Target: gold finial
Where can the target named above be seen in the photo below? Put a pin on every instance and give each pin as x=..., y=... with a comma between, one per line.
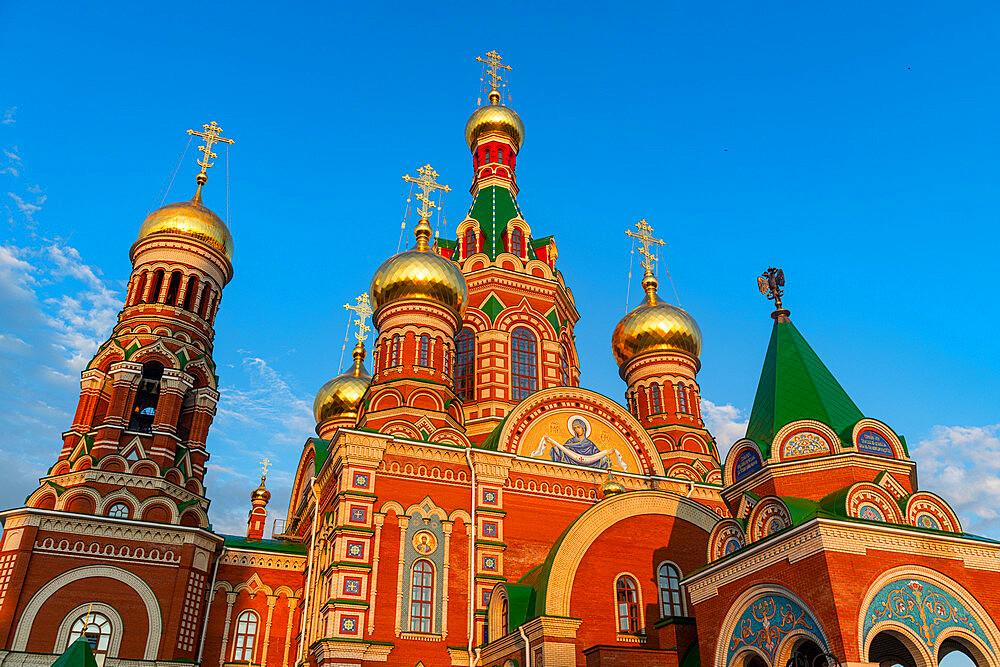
x=210, y=135
x=645, y=237
x=494, y=70
x=770, y=283
x=264, y=465
x=427, y=184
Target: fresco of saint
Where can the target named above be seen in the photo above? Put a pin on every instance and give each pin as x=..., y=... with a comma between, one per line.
x=579, y=448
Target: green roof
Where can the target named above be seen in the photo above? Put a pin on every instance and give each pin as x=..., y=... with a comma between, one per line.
x=77, y=655
x=795, y=384
x=322, y=449
x=282, y=546
x=493, y=208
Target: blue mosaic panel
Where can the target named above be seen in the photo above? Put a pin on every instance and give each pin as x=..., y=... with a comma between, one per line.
x=490, y=497
x=349, y=624
x=928, y=521
x=871, y=442
x=359, y=514
x=732, y=545
x=766, y=622
x=489, y=529
x=926, y=608
x=871, y=513
x=747, y=463
x=489, y=563
x=352, y=586
x=360, y=479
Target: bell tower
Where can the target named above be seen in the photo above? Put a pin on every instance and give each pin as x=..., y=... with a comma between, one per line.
x=149, y=395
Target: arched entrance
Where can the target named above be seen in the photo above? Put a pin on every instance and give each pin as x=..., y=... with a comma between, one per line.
x=890, y=648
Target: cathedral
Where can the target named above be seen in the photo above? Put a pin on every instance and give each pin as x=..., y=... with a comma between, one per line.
x=414, y=534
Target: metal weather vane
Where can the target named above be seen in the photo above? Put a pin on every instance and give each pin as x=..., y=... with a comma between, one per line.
x=428, y=184
x=645, y=237
x=210, y=135
x=770, y=283
x=363, y=309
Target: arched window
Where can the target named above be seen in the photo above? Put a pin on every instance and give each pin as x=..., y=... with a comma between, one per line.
x=140, y=285
x=470, y=241
x=671, y=600
x=245, y=637
x=486, y=156
x=96, y=627
x=155, y=287
x=394, y=351
x=192, y=289
x=203, y=305
x=174, y=288
x=500, y=155
x=465, y=362
x=517, y=242
x=655, y=399
x=628, y=604
x=119, y=511
x=146, y=397
x=682, y=401
x=524, y=363
x=421, y=596
x=425, y=350
x=564, y=368
x=504, y=618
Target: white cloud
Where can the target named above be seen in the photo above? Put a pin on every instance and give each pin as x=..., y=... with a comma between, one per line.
x=962, y=465
x=28, y=209
x=8, y=116
x=726, y=422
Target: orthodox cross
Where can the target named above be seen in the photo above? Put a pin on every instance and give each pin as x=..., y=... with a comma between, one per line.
x=770, y=283
x=264, y=465
x=210, y=135
x=494, y=68
x=363, y=309
x=645, y=237
x=427, y=184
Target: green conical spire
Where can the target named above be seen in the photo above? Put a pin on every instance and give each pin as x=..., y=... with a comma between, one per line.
x=795, y=384
x=77, y=655
x=493, y=207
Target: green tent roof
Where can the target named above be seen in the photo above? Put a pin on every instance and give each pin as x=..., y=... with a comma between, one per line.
x=795, y=384
x=493, y=208
x=77, y=655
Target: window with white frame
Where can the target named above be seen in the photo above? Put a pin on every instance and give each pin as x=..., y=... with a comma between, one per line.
x=245, y=637
x=671, y=597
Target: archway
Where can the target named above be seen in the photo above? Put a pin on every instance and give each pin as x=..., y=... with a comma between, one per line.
x=894, y=649
x=959, y=651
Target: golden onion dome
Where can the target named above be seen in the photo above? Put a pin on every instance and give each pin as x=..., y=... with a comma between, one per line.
x=420, y=273
x=611, y=488
x=655, y=326
x=260, y=493
x=341, y=396
x=494, y=117
x=192, y=219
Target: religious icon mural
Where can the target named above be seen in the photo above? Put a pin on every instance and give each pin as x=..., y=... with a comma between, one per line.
x=425, y=543
x=587, y=440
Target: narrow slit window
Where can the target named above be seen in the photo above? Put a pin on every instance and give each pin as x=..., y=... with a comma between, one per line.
x=655, y=399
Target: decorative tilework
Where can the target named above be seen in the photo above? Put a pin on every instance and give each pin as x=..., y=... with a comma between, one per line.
x=490, y=528
x=489, y=563
x=361, y=480
x=349, y=625
x=355, y=549
x=352, y=586
x=359, y=514
x=766, y=622
x=922, y=606
x=805, y=443
x=747, y=462
x=489, y=497
x=732, y=545
x=926, y=520
x=870, y=512
x=487, y=594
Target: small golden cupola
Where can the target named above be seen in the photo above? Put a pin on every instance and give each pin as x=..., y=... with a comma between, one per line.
x=421, y=273
x=654, y=325
x=193, y=219
x=338, y=400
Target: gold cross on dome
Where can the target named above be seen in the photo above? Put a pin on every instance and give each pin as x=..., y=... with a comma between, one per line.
x=645, y=236
x=264, y=465
x=363, y=308
x=428, y=184
x=210, y=135
x=494, y=68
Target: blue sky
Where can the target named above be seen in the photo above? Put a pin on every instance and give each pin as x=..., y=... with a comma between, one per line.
x=853, y=144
